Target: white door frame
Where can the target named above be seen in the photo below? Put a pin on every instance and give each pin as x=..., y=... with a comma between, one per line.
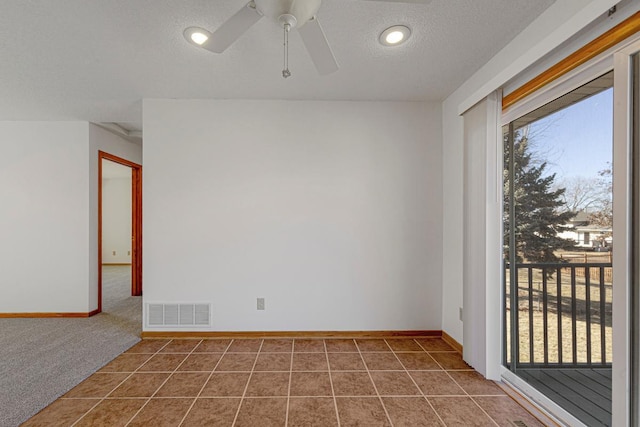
x=622, y=229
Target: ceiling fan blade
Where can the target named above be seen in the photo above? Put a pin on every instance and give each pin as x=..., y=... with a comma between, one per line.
x=318, y=47
x=233, y=28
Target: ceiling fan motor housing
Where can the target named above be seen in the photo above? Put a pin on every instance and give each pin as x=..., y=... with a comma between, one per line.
x=282, y=11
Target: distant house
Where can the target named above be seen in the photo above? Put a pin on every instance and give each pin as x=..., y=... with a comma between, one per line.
x=586, y=235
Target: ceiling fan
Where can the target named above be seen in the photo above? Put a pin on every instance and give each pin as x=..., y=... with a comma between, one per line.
x=288, y=14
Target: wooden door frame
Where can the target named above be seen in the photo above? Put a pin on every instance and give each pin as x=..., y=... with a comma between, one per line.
x=136, y=223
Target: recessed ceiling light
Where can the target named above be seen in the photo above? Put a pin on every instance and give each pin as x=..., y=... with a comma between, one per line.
x=395, y=35
x=196, y=35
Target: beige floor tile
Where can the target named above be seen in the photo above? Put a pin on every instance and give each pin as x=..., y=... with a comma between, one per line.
x=200, y=362
x=140, y=385
x=341, y=345
x=450, y=360
x=61, y=413
x=346, y=362
x=506, y=412
x=163, y=362
x=263, y=412
x=162, y=413
x=273, y=362
x=180, y=346
x=411, y=412
x=417, y=361
x=212, y=412
x=245, y=346
x=434, y=344
x=98, y=385
x=352, y=384
x=237, y=362
x=436, y=383
x=112, y=413
x=312, y=412
x=361, y=411
x=382, y=361
x=308, y=345
x=310, y=362
x=217, y=381
x=277, y=346
x=212, y=346
x=367, y=345
x=404, y=345
x=460, y=411
x=475, y=384
x=394, y=384
x=222, y=384
x=310, y=384
x=126, y=362
x=183, y=384
x=268, y=384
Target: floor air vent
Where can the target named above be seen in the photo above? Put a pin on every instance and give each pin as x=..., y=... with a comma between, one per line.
x=178, y=315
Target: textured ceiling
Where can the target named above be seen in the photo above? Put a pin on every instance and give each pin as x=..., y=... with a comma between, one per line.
x=95, y=60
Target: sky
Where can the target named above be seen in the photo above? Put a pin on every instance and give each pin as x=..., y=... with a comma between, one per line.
x=578, y=140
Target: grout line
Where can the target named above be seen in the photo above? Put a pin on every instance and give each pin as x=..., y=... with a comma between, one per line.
x=286, y=419
x=482, y=409
x=358, y=396
x=470, y=397
x=465, y=391
x=419, y=389
x=384, y=408
x=246, y=387
x=164, y=382
x=333, y=393
x=280, y=371
x=121, y=382
x=205, y=383
x=128, y=375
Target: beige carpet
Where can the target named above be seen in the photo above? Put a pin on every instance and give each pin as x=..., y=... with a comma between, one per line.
x=41, y=359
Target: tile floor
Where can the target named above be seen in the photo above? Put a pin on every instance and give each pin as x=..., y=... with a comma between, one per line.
x=286, y=382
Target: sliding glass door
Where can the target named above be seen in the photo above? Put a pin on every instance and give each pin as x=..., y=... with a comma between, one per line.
x=558, y=249
x=635, y=259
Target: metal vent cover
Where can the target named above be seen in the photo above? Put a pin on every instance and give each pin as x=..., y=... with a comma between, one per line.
x=176, y=315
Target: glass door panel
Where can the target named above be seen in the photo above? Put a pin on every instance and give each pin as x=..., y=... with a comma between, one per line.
x=558, y=245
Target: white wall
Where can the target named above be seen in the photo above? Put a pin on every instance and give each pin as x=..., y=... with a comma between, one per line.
x=329, y=210
x=44, y=219
x=551, y=29
x=116, y=220
x=48, y=220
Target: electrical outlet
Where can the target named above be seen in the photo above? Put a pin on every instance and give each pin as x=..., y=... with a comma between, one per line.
x=460, y=313
x=113, y=253
x=260, y=303
x=128, y=252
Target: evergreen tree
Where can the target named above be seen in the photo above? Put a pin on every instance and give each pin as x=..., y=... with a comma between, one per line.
x=540, y=213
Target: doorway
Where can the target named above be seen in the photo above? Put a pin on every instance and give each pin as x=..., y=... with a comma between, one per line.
x=558, y=249
x=127, y=252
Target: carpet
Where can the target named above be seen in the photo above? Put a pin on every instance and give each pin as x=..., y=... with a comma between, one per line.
x=42, y=359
